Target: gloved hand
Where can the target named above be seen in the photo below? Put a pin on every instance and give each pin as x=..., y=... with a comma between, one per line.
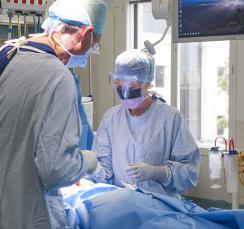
x=89, y=160
x=143, y=171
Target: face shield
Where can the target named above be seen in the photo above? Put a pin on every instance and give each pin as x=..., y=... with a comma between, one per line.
x=129, y=89
x=133, y=70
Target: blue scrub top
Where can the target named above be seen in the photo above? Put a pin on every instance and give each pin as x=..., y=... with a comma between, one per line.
x=87, y=136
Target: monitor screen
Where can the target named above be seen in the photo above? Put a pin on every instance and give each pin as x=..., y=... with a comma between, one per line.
x=205, y=20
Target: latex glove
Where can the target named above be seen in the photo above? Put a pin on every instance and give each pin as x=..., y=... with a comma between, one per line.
x=89, y=160
x=143, y=171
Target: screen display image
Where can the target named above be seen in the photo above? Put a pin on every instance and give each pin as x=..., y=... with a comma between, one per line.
x=203, y=18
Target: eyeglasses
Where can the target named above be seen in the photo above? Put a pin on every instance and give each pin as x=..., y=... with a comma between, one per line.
x=96, y=48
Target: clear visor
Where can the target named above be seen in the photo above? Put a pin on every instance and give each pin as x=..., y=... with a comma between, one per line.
x=128, y=89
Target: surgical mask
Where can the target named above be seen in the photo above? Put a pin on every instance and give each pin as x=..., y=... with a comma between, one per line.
x=79, y=60
x=133, y=103
x=75, y=60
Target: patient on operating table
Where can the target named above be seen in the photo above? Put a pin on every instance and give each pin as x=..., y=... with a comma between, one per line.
x=103, y=206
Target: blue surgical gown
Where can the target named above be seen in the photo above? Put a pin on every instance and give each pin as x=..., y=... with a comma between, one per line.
x=160, y=136
x=39, y=135
x=86, y=138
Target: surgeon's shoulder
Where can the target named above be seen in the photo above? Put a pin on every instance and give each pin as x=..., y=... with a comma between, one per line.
x=57, y=72
x=167, y=110
x=56, y=67
x=113, y=113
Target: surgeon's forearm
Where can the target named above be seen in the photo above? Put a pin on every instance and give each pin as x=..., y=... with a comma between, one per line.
x=59, y=171
x=99, y=174
x=161, y=173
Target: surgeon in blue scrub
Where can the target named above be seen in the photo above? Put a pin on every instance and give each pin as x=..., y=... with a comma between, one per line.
x=96, y=10
x=43, y=129
x=144, y=141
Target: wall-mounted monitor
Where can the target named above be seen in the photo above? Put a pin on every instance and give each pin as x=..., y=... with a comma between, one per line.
x=207, y=20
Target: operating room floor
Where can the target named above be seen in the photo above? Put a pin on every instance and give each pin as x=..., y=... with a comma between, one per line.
x=207, y=203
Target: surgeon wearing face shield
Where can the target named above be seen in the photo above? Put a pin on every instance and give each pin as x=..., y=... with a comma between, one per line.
x=43, y=132
x=143, y=141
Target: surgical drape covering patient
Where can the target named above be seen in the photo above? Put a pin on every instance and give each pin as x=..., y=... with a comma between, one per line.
x=103, y=206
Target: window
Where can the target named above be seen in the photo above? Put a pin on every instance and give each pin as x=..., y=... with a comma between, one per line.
x=204, y=89
x=148, y=28
x=159, y=76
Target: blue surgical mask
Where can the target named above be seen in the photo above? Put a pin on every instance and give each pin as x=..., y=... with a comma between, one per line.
x=75, y=60
x=79, y=60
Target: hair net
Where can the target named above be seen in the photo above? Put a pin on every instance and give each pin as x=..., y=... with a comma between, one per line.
x=134, y=65
x=70, y=12
x=96, y=10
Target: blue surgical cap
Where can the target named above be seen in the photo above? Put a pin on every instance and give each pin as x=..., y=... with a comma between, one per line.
x=96, y=10
x=71, y=12
x=134, y=65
